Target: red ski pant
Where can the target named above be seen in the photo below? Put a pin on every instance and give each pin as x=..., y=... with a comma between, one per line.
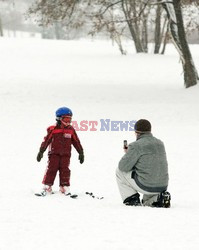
x=61, y=164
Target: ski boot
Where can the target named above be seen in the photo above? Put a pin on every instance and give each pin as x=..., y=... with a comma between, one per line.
x=65, y=190
x=45, y=191
x=163, y=200
x=133, y=200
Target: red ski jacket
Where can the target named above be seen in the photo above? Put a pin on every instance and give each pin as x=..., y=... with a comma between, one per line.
x=59, y=140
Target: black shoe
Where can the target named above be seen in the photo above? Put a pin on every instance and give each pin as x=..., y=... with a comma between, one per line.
x=133, y=200
x=163, y=200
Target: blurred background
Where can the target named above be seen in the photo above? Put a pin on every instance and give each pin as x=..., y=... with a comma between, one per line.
x=25, y=18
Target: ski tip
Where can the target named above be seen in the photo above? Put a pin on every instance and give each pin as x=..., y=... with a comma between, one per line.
x=73, y=196
x=93, y=196
x=37, y=194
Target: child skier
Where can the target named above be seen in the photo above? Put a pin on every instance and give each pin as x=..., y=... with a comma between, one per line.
x=59, y=139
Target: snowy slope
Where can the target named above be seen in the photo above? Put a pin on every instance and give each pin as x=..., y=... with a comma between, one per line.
x=96, y=82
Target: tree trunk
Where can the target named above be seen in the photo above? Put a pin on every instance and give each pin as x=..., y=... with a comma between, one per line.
x=135, y=37
x=133, y=32
x=166, y=38
x=174, y=13
x=57, y=31
x=145, y=34
x=190, y=72
x=119, y=43
x=1, y=28
x=157, y=38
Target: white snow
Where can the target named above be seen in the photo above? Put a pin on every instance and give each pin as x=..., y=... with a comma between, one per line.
x=96, y=82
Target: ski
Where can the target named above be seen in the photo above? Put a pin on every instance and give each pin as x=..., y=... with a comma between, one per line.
x=43, y=194
x=38, y=194
x=73, y=196
x=94, y=196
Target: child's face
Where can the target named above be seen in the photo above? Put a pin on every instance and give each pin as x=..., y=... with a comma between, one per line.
x=66, y=120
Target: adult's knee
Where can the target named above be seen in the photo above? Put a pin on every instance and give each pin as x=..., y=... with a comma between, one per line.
x=118, y=172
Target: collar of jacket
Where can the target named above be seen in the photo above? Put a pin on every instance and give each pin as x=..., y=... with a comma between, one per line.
x=62, y=126
x=147, y=134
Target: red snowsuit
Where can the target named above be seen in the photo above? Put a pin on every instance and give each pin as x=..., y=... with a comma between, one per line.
x=59, y=139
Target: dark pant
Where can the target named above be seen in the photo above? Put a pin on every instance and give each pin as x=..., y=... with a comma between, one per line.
x=61, y=164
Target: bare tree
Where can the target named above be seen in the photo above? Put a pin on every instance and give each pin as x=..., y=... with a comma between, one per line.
x=1, y=28
x=130, y=12
x=166, y=36
x=106, y=24
x=174, y=12
x=157, y=38
x=60, y=15
x=54, y=10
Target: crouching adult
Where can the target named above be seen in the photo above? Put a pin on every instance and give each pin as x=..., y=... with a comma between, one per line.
x=144, y=169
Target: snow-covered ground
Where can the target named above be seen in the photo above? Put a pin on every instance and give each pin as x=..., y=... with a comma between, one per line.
x=96, y=82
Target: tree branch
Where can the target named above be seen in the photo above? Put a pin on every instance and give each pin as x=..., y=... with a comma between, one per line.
x=125, y=20
x=110, y=5
x=161, y=2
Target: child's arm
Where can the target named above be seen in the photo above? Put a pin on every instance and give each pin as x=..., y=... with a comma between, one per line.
x=77, y=144
x=47, y=140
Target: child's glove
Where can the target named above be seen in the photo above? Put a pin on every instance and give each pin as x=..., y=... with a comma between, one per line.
x=81, y=158
x=39, y=156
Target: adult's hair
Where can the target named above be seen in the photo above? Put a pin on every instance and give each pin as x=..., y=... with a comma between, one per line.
x=142, y=126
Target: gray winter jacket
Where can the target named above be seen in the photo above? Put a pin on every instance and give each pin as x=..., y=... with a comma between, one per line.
x=147, y=160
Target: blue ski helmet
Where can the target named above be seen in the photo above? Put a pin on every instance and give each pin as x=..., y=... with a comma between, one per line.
x=63, y=111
